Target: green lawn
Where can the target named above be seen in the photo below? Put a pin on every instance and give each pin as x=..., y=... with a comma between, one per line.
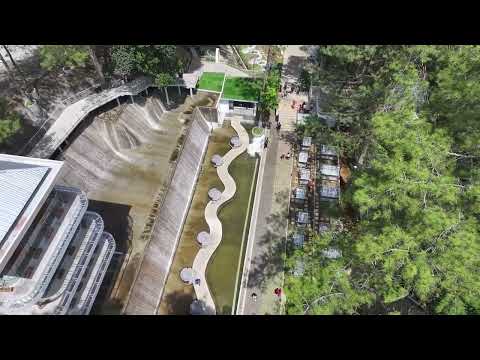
x=222, y=269
x=211, y=81
x=238, y=88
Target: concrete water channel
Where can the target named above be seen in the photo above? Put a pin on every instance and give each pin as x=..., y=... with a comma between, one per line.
x=223, y=268
x=122, y=157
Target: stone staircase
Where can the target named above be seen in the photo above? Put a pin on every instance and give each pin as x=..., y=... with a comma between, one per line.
x=288, y=116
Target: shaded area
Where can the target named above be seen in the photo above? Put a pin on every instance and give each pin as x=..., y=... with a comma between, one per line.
x=117, y=221
x=271, y=261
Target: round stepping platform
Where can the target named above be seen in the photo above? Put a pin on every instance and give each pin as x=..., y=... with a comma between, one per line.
x=187, y=275
x=203, y=238
x=214, y=194
x=235, y=141
x=217, y=160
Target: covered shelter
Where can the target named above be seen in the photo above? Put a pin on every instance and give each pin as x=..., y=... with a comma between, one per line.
x=329, y=189
x=303, y=157
x=307, y=142
x=303, y=218
x=304, y=176
x=330, y=170
x=332, y=253
x=328, y=151
x=300, y=194
x=298, y=239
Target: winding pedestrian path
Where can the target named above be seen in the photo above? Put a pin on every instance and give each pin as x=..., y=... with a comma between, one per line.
x=211, y=210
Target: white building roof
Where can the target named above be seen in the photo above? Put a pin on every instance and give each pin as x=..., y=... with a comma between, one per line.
x=298, y=239
x=307, y=141
x=328, y=150
x=24, y=185
x=303, y=157
x=300, y=193
x=302, y=217
x=304, y=174
x=18, y=183
x=332, y=253
x=330, y=170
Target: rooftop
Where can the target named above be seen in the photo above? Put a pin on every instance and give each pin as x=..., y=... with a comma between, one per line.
x=242, y=89
x=211, y=81
x=328, y=150
x=330, y=170
x=30, y=181
x=304, y=174
x=307, y=141
x=303, y=157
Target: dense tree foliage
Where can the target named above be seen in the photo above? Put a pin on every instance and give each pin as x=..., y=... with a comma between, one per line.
x=158, y=61
x=414, y=219
x=269, y=94
x=57, y=56
x=9, y=121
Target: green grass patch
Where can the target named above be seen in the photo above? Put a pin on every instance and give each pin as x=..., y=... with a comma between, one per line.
x=211, y=81
x=177, y=296
x=239, y=88
x=222, y=269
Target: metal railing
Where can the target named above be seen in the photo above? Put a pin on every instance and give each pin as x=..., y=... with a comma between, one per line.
x=79, y=265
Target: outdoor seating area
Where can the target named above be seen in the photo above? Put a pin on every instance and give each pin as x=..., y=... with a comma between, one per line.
x=315, y=193
x=303, y=194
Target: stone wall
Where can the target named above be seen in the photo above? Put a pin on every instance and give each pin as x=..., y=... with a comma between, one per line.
x=148, y=287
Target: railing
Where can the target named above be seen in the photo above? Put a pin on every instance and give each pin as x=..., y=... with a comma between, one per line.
x=80, y=95
x=54, y=261
x=79, y=265
x=92, y=292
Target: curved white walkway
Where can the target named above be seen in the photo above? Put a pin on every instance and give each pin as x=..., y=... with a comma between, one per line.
x=204, y=254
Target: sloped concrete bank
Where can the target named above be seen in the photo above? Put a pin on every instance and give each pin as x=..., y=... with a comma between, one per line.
x=146, y=292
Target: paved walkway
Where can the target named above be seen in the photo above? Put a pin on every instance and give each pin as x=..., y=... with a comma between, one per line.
x=264, y=261
x=204, y=254
x=75, y=113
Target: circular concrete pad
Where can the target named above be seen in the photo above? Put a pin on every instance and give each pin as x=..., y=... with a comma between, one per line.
x=203, y=238
x=214, y=194
x=217, y=160
x=187, y=275
x=235, y=141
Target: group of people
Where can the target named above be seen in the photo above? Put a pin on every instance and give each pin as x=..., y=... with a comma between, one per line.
x=289, y=89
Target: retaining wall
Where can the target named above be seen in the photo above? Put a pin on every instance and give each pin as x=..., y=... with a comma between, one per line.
x=148, y=286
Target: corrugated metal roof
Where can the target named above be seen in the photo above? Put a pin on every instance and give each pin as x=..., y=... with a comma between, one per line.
x=18, y=183
x=303, y=157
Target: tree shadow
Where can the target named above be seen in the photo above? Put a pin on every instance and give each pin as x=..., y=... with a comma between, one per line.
x=178, y=302
x=272, y=260
x=292, y=69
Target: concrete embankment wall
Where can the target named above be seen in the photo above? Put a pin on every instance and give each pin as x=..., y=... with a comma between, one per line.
x=148, y=287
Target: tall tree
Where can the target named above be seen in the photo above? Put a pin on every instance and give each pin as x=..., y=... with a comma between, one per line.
x=96, y=64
